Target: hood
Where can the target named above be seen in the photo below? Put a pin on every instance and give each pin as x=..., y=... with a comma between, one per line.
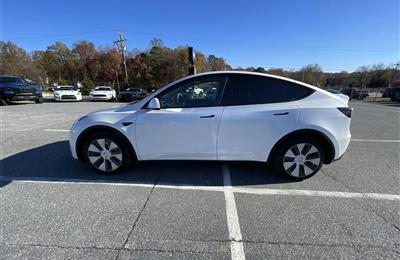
x=113, y=115
x=104, y=92
x=66, y=92
x=18, y=85
x=129, y=93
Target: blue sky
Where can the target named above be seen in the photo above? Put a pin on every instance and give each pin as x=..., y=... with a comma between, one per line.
x=336, y=34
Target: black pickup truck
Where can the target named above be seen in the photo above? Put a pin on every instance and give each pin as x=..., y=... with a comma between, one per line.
x=18, y=89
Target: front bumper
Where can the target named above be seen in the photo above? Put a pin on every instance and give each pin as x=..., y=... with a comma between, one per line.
x=21, y=97
x=129, y=98
x=68, y=98
x=100, y=97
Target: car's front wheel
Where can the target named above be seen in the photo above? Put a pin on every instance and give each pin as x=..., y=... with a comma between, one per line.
x=3, y=102
x=299, y=158
x=106, y=152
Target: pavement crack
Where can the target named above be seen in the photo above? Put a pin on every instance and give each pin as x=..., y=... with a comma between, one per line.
x=163, y=250
x=137, y=218
x=61, y=247
x=350, y=245
x=371, y=210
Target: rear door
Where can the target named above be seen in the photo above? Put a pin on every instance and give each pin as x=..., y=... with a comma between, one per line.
x=258, y=112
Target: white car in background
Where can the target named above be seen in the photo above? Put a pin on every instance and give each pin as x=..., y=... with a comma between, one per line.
x=339, y=94
x=240, y=116
x=103, y=93
x=67, y=93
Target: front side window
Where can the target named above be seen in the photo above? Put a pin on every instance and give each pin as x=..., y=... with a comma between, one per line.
x=253, y=89
x=194, y=93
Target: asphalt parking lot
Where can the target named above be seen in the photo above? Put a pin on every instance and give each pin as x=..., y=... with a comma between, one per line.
x=53, y=207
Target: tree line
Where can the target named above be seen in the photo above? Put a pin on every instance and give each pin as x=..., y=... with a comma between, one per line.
x=156, y=66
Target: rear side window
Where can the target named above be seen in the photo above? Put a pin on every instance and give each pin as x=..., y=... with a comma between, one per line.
x=252, y=89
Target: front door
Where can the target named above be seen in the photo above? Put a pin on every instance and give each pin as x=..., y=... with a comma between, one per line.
x=186, y=126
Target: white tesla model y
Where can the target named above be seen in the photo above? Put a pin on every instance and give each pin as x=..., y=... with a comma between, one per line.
x=227, y=116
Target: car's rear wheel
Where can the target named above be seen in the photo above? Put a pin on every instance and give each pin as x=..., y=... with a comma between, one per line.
x=106, y=152
x=299, y=158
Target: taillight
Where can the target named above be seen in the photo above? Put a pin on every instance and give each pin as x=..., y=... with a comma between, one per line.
x=346, y=111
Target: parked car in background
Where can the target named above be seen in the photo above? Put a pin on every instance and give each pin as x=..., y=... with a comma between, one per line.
x=360, y=94
x=339, y=94
x=390, y=92
x=18, y=89
x=131, y=94
x=396, y=97
x=227, y=116
x=103, y=93
x=67, y=93
x=354, y=93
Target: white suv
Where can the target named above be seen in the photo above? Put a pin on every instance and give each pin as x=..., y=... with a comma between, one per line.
x=227, y=116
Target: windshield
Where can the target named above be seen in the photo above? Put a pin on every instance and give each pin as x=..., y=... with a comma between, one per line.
x=65, y=88
x=11, y=80
x=103, y=88
x=133, y=90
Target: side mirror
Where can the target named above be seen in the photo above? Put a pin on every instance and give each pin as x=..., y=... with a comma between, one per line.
x=154, y=104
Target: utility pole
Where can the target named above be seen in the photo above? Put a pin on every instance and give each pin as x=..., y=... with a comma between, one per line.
x=122, y=48
x=192, y=68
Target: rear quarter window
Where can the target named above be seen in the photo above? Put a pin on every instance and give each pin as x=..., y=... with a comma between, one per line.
x=252, y=89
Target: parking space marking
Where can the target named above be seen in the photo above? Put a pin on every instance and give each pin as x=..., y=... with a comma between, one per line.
x=375, y=140
x=227, y=180
x=235, y=235
x=56, y=130
x=316, y=193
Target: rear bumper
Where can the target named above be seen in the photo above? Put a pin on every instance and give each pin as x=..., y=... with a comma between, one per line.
x=341, y=146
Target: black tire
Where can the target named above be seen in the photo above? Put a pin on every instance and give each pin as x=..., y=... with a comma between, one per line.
x=304, y=163
x=123, y=148
x=39, y=100
x=3, y=102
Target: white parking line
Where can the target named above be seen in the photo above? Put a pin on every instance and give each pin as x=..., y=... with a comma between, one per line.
x=237, y=250
x=56, y=130
x=316, y=193
x=243, y=190
x=375, y=140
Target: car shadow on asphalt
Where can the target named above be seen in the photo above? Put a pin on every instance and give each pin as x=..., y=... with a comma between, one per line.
x=53, y=162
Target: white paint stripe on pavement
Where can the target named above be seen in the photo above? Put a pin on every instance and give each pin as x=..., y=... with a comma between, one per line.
x=237, y=250
x=316, y=193
x=375, y=140
x=253, y=191
x=56, y=130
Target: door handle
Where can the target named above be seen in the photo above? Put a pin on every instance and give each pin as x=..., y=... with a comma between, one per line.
x=281, y=114
x=207, y=116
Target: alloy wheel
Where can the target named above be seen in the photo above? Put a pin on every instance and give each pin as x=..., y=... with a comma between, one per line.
x=104, y=155
x=301, y=160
